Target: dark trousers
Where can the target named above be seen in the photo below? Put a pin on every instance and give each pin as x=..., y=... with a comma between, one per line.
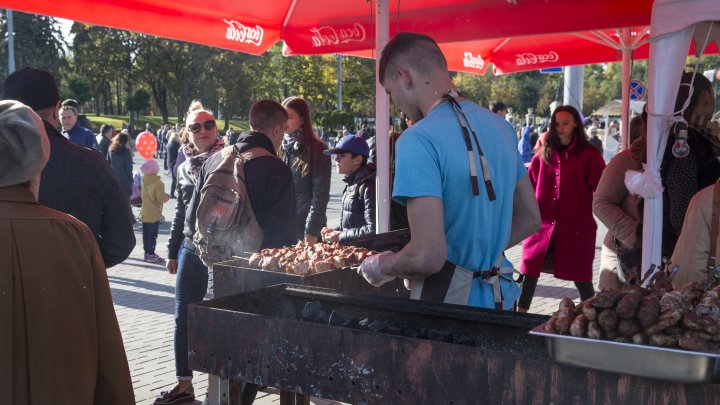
x=150, y=234
x=173, y=185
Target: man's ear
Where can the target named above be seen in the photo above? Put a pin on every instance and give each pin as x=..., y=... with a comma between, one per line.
x=405, y=76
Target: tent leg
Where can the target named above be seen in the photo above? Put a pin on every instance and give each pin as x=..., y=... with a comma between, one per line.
x=626, y=73
x=382, y=123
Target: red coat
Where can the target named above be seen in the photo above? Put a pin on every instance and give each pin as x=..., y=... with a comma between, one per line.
x=564, y=191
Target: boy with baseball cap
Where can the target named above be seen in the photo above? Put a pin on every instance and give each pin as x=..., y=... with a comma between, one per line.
x=358, y=203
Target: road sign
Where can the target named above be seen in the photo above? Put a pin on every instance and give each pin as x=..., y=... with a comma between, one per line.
x=637, y=90
x=558, y=69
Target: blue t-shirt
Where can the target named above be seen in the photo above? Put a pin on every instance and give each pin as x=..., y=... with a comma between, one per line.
x=432, y=161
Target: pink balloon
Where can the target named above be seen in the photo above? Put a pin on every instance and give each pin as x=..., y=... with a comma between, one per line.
x=146, y=145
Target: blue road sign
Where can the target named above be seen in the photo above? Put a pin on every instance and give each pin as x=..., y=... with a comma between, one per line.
x=637, y=90
x=558, y=69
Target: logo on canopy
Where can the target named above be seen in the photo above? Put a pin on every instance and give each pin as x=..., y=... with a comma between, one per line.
x=327, y=35
x=528, y=58
x=237, y=31
x=472, y=61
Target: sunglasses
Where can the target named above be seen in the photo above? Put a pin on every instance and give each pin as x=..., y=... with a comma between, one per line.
x=195, y=128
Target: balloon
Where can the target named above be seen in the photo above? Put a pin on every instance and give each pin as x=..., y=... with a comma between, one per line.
x=146, y=144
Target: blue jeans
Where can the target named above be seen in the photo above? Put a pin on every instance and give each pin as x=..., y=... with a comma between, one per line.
x=190, y=286
x=150, y=234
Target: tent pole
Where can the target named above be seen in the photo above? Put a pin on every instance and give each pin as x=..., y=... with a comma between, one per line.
x=626, y=72
x=382, y=123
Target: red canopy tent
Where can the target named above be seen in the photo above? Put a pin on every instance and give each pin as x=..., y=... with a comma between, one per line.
x=332, y=26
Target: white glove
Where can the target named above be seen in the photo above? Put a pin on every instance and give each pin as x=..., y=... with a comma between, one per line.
x=408, y=284
x=370, y=269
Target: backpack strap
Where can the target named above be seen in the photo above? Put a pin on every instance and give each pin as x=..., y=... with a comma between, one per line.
x=248, y=155
x=251, y=154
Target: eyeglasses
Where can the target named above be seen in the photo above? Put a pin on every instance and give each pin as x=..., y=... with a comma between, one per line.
x=195, y=128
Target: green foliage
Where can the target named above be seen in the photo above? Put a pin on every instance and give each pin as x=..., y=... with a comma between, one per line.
x=334, y=119
x=38, y=43
x=139, y=101
x=79, y=88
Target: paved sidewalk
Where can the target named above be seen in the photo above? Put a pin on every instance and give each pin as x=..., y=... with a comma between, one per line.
x=144, y=302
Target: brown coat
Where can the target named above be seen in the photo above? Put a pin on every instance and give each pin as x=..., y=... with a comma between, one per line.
x=620, y=211
x=615, y=206
x=59, y=338
x=692, y=249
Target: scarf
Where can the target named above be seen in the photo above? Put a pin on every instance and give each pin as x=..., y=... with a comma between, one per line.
x=196, y=158
x=293, y=143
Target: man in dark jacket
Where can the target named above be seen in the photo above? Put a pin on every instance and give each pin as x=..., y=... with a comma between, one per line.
x=358, y=203
x=73, y=131
x=76, y=180
x=106, y=134
x=268, y=180
x=82, y=119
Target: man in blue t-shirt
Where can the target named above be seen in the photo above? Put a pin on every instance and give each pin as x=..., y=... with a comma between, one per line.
x=464, y=207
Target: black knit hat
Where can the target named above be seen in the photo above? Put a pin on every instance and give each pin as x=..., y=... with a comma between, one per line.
x=33, y=87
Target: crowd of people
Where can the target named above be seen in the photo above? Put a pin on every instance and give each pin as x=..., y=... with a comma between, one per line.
x=462, y=181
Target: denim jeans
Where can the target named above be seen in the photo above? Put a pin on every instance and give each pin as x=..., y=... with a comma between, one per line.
x=190, y=286
x=150, y=234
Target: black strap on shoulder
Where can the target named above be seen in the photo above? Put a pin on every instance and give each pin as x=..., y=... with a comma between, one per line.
x=484, y=166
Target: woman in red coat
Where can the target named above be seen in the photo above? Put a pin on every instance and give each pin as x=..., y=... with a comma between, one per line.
x=564, y=172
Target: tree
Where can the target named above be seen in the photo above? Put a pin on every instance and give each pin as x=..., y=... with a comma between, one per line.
x=140, y=100
x=158, y=63
x=359, y=85
x=38, y=43
x=104, y=57
x=78, y=88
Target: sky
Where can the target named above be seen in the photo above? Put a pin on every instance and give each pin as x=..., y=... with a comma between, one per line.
x=65, y=26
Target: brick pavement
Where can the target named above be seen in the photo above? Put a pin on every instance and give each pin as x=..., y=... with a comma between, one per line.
x=143, y=294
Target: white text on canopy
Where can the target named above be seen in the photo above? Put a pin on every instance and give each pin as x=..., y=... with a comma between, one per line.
x=472, y=61
x=327, y=35
x=238, y=32
x=528, y=58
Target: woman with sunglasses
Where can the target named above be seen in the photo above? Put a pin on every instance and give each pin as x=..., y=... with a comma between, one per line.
x=302, y=151
x=192, y=275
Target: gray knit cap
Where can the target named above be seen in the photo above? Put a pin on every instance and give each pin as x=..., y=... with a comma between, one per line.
x=24, y=145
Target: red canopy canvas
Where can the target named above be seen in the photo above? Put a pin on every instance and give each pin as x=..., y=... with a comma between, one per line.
x=341, y=26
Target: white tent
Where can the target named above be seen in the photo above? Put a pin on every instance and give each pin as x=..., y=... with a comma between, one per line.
x=674, y=23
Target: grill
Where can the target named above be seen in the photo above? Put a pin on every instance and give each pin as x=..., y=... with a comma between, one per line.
x=384, y=350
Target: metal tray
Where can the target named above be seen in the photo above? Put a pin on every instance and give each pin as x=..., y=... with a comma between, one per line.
x=633, y=359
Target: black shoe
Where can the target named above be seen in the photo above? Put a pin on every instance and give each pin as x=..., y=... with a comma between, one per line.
x=175, y=396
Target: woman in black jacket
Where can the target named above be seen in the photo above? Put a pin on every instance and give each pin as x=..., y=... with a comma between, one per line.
x=302, y=151
x=121, y=162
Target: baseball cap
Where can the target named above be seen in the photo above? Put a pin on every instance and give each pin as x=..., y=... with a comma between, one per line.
x=33, y=87
x=350, y=144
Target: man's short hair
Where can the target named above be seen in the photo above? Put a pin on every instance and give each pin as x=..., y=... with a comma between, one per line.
x=69, y=108
x=105, y=128
x=498, y=106
x=416, y=50
x=72, y=103
x=266, y=114
x=33, y=87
